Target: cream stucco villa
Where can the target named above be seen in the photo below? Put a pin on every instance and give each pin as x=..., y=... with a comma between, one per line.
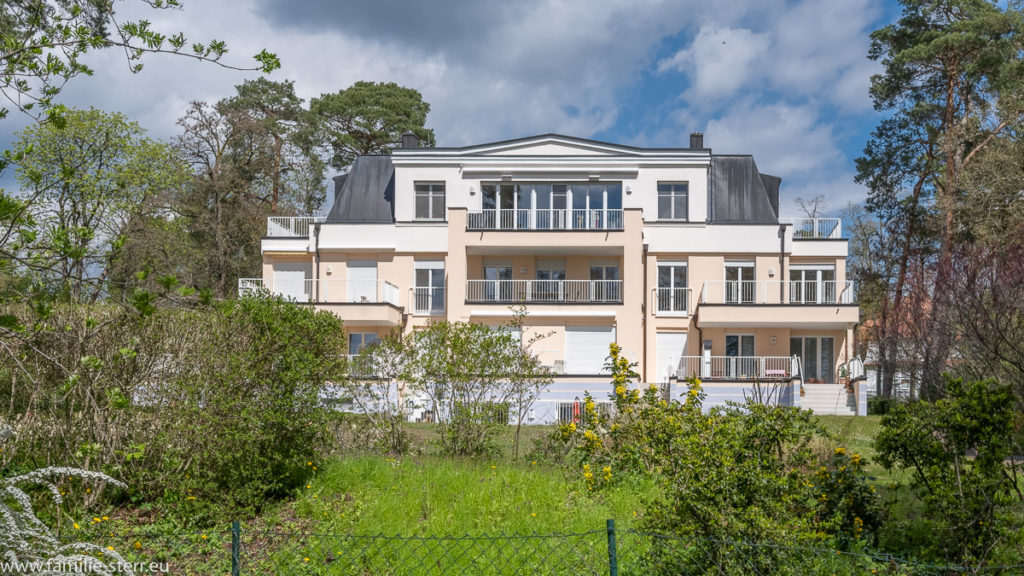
x=677, y=254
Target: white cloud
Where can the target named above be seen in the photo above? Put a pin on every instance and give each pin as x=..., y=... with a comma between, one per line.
x=722, y=61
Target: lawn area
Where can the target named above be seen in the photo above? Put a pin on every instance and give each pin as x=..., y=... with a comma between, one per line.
x=430, y=495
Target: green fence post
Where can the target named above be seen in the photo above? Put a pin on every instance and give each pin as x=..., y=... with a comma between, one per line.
x=236, y=547
x=613, y=556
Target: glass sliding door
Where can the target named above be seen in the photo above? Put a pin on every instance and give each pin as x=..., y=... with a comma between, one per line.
x=812, y=285
x=818, y=356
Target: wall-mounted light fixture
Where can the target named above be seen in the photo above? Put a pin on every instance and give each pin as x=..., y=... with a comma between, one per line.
x=330, y=269
x=773, y=340
x=629, y=189
x=771, y=272
x=472, y=191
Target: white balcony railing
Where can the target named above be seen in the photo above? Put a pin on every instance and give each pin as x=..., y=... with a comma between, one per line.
x=738, y=368
x=546, y=219
x=671, y=301
x=544, y=291
x=322, y=291
x=803, y=228
x=777, y=292
x=291, y=226
x=428, y=301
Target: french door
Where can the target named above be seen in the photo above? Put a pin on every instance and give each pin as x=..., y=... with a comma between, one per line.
x=739, y=352
x=817, y=354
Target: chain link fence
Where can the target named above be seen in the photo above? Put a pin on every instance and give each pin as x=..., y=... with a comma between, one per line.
x=605, y=551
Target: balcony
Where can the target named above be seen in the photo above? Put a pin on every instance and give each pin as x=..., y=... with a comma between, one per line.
x=544, y=291
x=546, y=219
x=763, y=303
x=291, y=226
x=815, y=228
x=738, y=368
x=360, y=302
x=776, y=292
x=323, y=291
x=672, y=301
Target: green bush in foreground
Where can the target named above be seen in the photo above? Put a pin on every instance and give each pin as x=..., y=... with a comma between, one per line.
x=959, y=451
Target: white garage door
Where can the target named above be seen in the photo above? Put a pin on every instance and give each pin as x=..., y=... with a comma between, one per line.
x=586, y=348
x=292, y=280
x=671, y=346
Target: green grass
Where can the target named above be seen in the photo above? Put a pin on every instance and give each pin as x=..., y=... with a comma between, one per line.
x=434, y=496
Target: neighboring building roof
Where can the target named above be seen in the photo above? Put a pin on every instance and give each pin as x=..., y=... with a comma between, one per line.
x=366, y=193
x=740, y=193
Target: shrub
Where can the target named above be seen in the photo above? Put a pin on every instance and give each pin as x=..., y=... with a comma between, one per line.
x=959, y=451
x=241, y=418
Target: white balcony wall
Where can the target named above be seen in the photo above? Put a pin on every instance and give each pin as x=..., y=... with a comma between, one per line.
x=384, y=237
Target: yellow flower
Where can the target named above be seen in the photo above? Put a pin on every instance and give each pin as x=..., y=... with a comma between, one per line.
x=110, y=548
x=203, y=536
x=77, y=527
x=190, y=498
x=840, y=451
x=106, y=518
x=137, y=545
x=96, y=520
x=534, y=514
x=305, y=559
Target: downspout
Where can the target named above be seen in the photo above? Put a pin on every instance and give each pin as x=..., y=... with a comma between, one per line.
x=782, y=263
x=643, y=315
x=316, y=258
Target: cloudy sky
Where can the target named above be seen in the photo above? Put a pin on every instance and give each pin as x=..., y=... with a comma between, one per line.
x=784, y=80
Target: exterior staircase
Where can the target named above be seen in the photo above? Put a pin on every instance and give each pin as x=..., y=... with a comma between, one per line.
x=829, y=399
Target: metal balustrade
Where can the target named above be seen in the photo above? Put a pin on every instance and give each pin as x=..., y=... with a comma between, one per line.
x=671, y=301
x=804, y=228
x=544, y=291
x=737, y=368
x=777, y=292
x=428, y=301
x=291, y=226
x=546, y=219
x=326, y=291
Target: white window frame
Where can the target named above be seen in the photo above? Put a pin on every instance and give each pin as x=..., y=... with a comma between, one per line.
x=673, y=194
x=671, y=311
x=431, y=310
x=433, y=190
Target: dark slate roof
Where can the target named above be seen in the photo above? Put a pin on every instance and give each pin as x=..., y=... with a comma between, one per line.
x=739, y=193
x=366, y=193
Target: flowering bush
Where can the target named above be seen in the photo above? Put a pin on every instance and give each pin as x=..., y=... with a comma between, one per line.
x=632, y=437
x=27, y=539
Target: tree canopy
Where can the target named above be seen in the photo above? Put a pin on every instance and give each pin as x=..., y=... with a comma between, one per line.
x=368, y=118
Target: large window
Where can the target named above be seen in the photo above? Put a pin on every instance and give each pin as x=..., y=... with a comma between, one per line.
x=359, y=340
x=430, y=201
x=740, y=287
x=672, y=288
x=550, y=206
x=429, y=290
x=672, y=200
x=812, y=284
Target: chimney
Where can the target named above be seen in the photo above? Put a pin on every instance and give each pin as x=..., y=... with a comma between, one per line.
x=696, y=140
x=409, y=140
